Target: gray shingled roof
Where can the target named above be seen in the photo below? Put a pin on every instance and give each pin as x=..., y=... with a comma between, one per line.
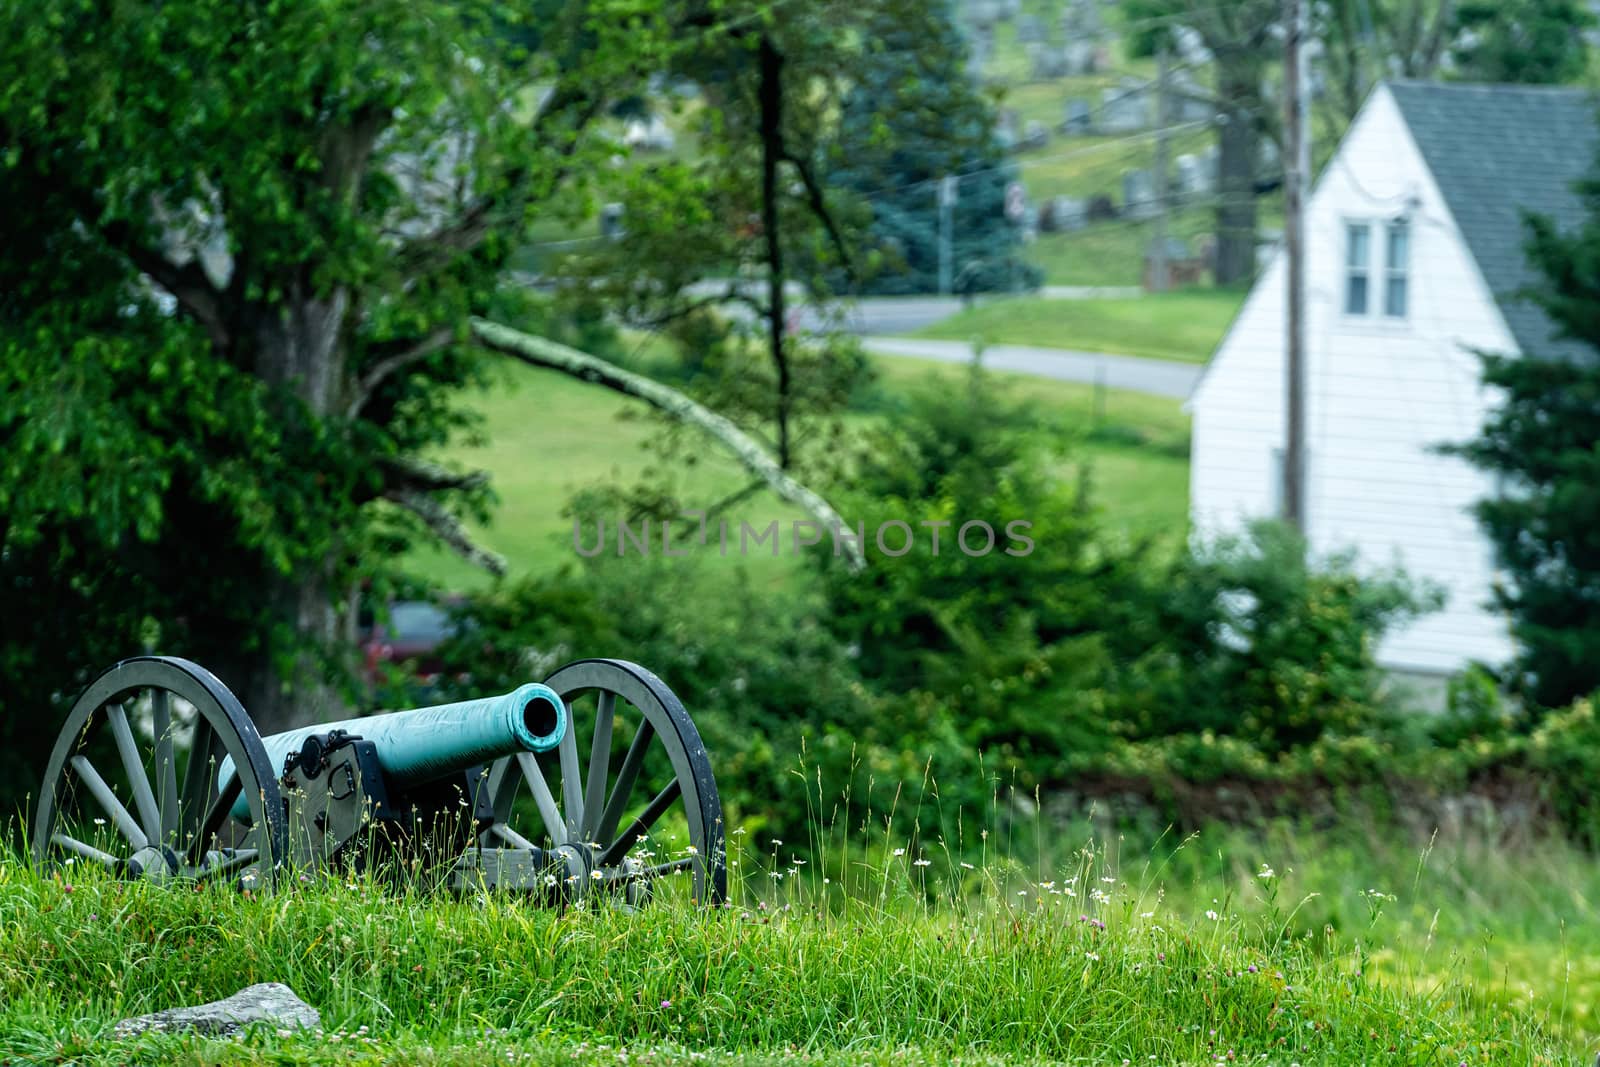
x=1496, y=151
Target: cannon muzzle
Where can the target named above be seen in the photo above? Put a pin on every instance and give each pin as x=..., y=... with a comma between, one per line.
x=424, y=744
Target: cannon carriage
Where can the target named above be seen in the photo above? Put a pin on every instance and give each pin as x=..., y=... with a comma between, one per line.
x=593, y=784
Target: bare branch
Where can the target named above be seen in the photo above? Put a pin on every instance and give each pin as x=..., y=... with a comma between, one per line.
x=447, y=528
x=469, y=230
x=387, y=366
x=540, y=352
x=819, y=208
x=428, y=477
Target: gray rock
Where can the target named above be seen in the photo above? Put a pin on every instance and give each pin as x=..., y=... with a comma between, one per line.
x=272, y=1003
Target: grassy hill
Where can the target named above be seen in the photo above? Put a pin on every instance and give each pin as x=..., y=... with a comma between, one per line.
x=544, y=435
x=1184, y=325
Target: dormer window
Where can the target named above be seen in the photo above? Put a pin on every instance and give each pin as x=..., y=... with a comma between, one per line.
x=1393, y=292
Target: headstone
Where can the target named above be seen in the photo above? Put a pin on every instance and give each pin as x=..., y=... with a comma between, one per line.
x=1101, y=208
x=611, y=221
x=1029, y=29
x=1123, y=110
x=1062, y=213
x=1268, y=154
x=1192, y=177
x=1034, y=136
x=1191, y=47
x=1138, y=194
x=1077, y=120
x=1046, y=62
x=1081, y=21
x=272, y=1003
x=649, y=135
x=1189, y=101
x=1077, y=57
x=982, y=12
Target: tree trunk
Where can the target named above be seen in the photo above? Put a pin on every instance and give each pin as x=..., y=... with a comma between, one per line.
x=284, y=680
x=1239, y=87
x=283, y=688
x=771, y=155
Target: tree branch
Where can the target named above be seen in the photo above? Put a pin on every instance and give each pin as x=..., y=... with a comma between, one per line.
x=819, y=208
x=447, y=528
x=540, y=352
x=188, y=284
x=467, y=232
x=381, y=370
x=422, y=476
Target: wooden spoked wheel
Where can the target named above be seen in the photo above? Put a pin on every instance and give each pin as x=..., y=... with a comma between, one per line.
x=627, y=798
x=131, y=785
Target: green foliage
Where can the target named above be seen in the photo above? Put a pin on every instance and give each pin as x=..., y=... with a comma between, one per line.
x=1535, y=41
x=1543, y=445
x=1565, y=752
x=1060, y=650
x=1258, y=640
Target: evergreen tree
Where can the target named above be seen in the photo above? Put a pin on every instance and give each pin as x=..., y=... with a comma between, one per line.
x=1544, y=441
x=914, y=117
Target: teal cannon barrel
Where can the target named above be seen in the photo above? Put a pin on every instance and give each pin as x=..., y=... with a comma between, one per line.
x=423, y=744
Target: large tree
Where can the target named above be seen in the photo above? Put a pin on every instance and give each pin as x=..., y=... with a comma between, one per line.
x=1543, y=441
x=246, y=273
x=242, y=247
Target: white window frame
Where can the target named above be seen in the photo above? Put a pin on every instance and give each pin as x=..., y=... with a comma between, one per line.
x=1376, y=270
x=1400, y=273
x=1348, y=269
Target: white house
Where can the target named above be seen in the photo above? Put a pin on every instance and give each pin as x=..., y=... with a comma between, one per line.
x=1414, y=256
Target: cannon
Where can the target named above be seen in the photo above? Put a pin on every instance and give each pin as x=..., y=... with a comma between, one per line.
x=593, y=784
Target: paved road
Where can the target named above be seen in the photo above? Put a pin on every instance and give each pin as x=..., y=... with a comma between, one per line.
x=1158, y=376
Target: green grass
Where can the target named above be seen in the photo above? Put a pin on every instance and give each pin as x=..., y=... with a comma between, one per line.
x=1184, y=325
x=545, y=436
x=1350, y=953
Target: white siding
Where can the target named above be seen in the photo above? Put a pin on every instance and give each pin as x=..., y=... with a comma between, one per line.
x=1380, y=395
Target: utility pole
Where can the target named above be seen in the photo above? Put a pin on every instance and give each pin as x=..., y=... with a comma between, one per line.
x=948, y=186
x=1297, y=164
x=1160, y=272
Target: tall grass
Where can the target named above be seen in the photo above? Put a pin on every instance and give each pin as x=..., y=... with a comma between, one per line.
x=1041, y=943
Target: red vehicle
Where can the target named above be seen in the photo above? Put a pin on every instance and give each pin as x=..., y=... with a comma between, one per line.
x=410, y=633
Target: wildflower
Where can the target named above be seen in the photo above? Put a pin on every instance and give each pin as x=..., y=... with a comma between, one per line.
x=899, y=852
x=922, y=863
x=968, y=866
x=1213, y=916
x=692, y=851
x=776, y=843
x=666, y=1003
x=99, y=822
x=596, y=875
